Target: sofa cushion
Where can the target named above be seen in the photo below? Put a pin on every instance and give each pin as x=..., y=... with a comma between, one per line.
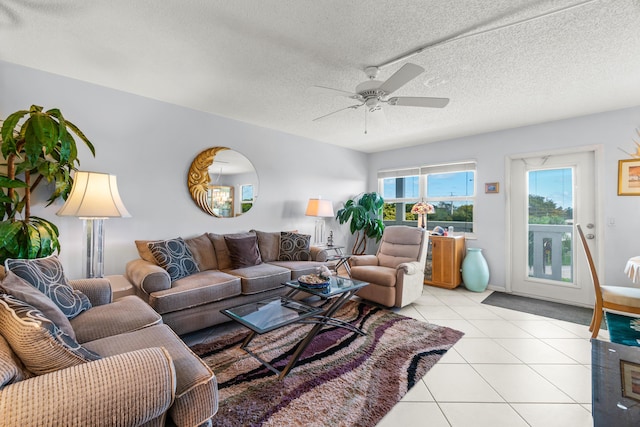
x=200, y=288
x=260, y=278
x=175, y=257
x=19, y=288
x=268, y=244
x=11, y=368
x=37, y=341
x=132, y=314
x=203, y=252
x=243, y=251
x=47, y=276
x=196, y=388
x=300, y=268
x=144, y=251
x=222, y=252
x=294, y=247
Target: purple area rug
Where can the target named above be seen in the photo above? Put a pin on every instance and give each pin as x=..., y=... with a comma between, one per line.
x=342, y=378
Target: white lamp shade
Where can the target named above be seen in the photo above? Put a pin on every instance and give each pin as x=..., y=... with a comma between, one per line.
x=94, y=195
x=319, y=207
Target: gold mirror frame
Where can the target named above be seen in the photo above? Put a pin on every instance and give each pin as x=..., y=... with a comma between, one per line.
x=198, y=179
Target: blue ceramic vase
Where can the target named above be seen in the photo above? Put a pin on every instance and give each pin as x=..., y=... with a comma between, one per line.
x=475, y=271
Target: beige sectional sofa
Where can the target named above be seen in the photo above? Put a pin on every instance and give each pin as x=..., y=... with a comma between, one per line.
x=112, y=363
x=221, y=271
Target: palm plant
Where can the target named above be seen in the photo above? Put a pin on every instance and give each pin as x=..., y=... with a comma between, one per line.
x=37, y=145
x=365, y=213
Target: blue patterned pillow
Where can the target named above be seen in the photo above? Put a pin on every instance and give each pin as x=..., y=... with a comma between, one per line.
x=174, y=256
x=46, y=275
x=294, y=247
x=37, y=341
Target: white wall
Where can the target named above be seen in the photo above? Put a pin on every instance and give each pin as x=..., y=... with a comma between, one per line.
x=149, y=145
x=612, y=130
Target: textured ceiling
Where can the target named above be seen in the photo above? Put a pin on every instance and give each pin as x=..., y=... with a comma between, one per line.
x=257, y=61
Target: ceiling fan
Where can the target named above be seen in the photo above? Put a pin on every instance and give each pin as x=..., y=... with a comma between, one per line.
x=372, y=93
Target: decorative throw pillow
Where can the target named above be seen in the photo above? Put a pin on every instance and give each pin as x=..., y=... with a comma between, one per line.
x=47, y=276
x=37, y=341
x=243, y=251
x=174, y=256
x=202, y=249
x=143, y=250
x=11, y=368
x=268, y=245
x=16, y=286
x=294, y=247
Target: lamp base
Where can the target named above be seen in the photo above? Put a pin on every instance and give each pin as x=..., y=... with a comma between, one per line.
x=318, y=237
x=93, y=265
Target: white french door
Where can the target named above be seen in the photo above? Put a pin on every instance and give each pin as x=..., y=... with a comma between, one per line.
x=549, y=194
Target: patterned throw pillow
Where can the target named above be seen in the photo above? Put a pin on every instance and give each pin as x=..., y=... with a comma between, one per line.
x=243, y=251
x=37, y=341
x=16, y=286
x=294, y=247
x=47, y=276
x=174, y=256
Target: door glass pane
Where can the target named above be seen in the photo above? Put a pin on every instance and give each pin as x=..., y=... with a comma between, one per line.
x=550, y=224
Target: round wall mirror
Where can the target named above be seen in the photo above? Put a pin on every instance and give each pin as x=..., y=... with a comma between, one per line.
x=222, y=182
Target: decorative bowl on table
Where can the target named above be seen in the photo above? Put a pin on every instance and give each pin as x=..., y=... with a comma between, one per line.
x=314, y=281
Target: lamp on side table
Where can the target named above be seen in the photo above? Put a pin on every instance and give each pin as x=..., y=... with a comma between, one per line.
x=93, y=198
x=322, y=209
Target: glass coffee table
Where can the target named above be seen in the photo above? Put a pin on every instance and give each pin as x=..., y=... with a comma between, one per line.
x=274, y=313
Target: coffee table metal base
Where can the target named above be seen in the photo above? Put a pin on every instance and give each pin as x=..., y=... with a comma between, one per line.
x=319, y=320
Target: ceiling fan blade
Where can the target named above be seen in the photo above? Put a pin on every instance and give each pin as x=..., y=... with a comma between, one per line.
x=337, y=111
x=418, y=101
x=401, y=77
x=332, y=91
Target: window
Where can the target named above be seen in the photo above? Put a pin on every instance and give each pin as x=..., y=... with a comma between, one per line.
x=246, y=201
x=449, y=188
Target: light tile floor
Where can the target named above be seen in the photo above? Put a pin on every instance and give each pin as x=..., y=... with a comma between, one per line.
x=510, y=368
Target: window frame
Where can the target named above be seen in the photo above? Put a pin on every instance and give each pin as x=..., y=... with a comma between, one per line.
x=422, y=172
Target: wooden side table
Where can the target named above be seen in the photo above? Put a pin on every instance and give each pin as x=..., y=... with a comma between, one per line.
x=446, y=253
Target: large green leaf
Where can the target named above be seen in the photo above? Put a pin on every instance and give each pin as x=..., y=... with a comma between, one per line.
x=82, y=136
x=45, y=130
x=8, y=127
x=6, y=182
x=28, y=239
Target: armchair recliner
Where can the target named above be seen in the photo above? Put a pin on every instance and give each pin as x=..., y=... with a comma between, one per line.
x=396, y=273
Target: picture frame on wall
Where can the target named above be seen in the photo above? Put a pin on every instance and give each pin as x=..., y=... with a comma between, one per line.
x=629, y=177
x=492, y=187
x=630, y=377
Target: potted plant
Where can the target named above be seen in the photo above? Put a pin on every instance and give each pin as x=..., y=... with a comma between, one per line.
x=365, y=214
x=37, y=145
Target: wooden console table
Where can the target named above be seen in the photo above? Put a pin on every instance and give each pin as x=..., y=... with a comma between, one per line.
x=444, y=261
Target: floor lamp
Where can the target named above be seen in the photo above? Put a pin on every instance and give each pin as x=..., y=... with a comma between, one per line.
x=93, y=198
x=321, y=209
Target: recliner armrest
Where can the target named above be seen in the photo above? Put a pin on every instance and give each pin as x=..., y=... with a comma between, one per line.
x=356, y=260
x=127, y=389
x=147, y=276
x=410, y=268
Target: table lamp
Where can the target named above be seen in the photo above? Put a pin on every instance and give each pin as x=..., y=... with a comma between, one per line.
x=93, y=198
x=322, y=209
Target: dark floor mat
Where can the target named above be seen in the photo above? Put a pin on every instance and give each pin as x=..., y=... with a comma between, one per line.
x=554, y=310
